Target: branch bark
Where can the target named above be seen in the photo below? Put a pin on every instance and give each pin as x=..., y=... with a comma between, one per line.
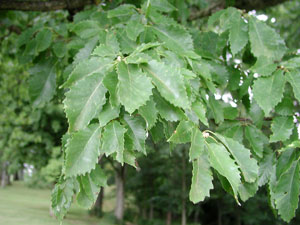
x=49, y=5
x=247, y=5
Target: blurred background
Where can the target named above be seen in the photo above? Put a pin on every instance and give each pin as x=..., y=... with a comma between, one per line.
x=155, y=193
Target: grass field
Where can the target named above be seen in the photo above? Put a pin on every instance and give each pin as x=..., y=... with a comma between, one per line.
x=20, y=205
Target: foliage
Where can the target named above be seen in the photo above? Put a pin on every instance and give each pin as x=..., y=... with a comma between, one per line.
x=133, y=73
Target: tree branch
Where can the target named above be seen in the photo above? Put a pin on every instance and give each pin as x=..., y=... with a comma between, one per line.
x=49, y=5
x=247, y=5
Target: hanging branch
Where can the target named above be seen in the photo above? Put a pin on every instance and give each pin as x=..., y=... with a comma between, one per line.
x=43, y=5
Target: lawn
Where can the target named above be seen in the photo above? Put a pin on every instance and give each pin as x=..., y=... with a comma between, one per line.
x=20, y=205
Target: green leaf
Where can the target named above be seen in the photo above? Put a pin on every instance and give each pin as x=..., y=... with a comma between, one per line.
x=137, y=58
x=232, y=129
x=62, y=196
x=242, y=155
x=84, y=101
x=112, y=41
x=98, y=176
x=282, y=128
x=293, y=77
x=26, y=35
x=166, y=110
x=85, y=52
x=183, y=132
x=285, y=107
x=127, y=45
x=201, y=180
x=60, y=49
x=87, y=68
x=122, y=10
x=266, y=167
x=169, y=83
x=136, y=130
x=263, y=66
x=229, y=112
x=291, y=63
x=256, y=139
x=268, y=91
x=149, y=113
x=287, y=192
x=162, y=5
x=86, y=29
x=228, y=18
x=247, y=190
x=113, y=140
x=175, y=38
x=42, y=83
x=110, y=81
x=285, y=161
x=146, y=46
x=188, y=74
x=199, y=108
x=90, y=187
x=156, y=132
x=197, y=144
x=133, y=29
x=221, y=161
x=108, y=113
x=82, y=151
x=134, y=87
x=238, y=33
x=265, y=41
x=104, y=51
x=43, y=40
x=130, y=158
x=110, y=48
x=217, y=109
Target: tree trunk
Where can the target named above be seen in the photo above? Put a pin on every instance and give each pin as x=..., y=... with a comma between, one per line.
x=219, y=214
x=169, y=218
x=16, y=176
x=183, y=183
x=196, y=215
x=120, y=180
x=151, y=212
x=97, y=209
x=144, y=213
x=21, y=174
x=4, y=175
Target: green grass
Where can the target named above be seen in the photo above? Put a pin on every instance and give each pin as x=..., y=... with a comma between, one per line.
x=20, y=205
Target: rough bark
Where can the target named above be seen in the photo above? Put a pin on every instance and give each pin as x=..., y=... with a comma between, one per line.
x=43, y=5
x=120, y=181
